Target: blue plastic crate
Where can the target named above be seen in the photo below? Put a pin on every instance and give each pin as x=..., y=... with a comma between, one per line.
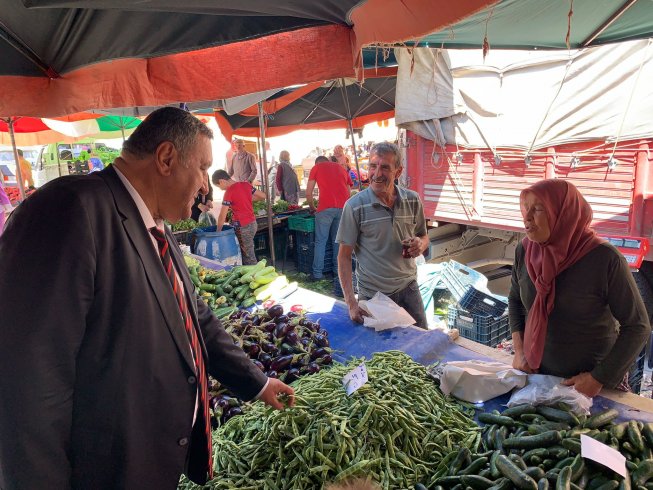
x=459, y=278
x=484, y=329
x=479, y=302
x=305, y=251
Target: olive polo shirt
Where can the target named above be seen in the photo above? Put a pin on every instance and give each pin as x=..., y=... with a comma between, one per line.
x=376, y=231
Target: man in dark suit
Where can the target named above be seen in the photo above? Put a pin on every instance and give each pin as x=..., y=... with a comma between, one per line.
x=103, y=349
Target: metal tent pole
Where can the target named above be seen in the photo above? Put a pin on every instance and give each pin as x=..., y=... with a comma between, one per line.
x=345, y=99
x=19, y=173
x=264, y=177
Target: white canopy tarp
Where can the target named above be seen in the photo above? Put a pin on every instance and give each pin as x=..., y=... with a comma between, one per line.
x=526, y=99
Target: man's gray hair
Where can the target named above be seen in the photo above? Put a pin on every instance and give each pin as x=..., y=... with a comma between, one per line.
x=177, y=126
x=387, y=148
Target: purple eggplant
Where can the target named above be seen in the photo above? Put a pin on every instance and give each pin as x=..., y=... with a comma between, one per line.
x=305, y=341
x=287, y=349
x=258, y=364
x=291, y=375
x=291, y=338
x=270, y=348
x=281, y=319
x=321, y=340
x=258, y=319
x=272, y=374
x=292, y=314
x=275, y=311
x=325, y=360
x=313, y=368
x=254, y=350
x=319, y=353
x=269, y=326
x=266, y=359
x=232, y=412
x=280, y=363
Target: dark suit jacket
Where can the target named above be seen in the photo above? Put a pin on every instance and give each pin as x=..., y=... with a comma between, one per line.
x=97, y=386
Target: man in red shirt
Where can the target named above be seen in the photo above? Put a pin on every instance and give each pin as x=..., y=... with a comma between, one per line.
x=239, y=196
x=333, y=182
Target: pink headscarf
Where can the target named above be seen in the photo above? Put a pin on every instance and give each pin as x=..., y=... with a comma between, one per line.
x=569, y=217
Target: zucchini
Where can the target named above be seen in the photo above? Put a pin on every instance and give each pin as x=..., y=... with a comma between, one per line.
x=564, y=479
x=601, y=419
x=248, y=302
x=557, y=415
x=549, y=438
x=476, y=482
x=520, y=479
x=490, y=418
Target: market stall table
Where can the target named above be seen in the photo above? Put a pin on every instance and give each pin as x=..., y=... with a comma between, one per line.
x=350, y=339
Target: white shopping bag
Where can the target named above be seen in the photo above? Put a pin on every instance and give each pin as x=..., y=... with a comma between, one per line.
x=477, y=381
x=543, y=389
x=385, y=313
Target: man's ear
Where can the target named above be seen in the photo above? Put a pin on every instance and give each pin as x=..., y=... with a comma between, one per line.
x=164, y=157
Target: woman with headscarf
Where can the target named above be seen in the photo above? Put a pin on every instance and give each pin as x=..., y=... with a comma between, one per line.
x=569, y=289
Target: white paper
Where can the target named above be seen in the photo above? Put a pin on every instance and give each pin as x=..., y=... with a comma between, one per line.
x=605, y=455
x=384, y=313
x=477, y=381
x=355, y=379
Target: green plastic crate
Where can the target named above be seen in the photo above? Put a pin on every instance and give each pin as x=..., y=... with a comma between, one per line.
x=301, y=223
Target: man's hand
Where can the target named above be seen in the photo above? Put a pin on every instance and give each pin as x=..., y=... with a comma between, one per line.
x=203, y=207
x=585, y=384
x=414, y=246
x=519, y=362
x=312, y=208
x=274, y=388
x=356, y=313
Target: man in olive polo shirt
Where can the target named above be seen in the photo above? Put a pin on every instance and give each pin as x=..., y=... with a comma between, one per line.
x=385, y=226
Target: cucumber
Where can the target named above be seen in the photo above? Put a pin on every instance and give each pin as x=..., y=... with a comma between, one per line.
x=476, y=482
x=419, y=486
x=519, y=462
x=542, y=484
x=486, y=473
x=540, y=452
x=601, y=419
x=535, y=472
x=493, y=464
x=598, y=481
x=490, y=418
x=552, y=475
x=448, y=481
x=519, y=410
x=618, y=431
x=635, y=436
x=643, y=473
x=530, y=418
x=557, y=415
x=520, y=479
x=500, y=436
x=474, y=467
x=564, y=479
x=609, y=485
x=577, y=468
x=647, y=432
x=545, y=439
x=501, y=484
x=572, y=444
x=565, y=462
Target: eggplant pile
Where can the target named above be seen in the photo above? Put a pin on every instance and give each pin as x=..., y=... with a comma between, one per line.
x=282, y=345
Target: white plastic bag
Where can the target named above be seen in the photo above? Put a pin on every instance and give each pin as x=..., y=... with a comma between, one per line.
x=547, y=390
x=478, y=381
x=206, y=219
x=385, y=313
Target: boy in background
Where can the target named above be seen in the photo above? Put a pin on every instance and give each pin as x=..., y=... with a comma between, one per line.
x=239, y=196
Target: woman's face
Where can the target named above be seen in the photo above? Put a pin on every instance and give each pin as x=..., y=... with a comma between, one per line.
x=536, y=221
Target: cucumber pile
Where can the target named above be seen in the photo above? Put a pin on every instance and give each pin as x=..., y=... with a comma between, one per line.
x=537, y=448
x=225, y=291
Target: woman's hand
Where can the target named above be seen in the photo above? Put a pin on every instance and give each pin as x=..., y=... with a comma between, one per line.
x=585, y=384
x=519, y=362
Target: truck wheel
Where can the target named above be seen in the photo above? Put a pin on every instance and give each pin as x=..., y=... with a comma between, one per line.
x=646, y=293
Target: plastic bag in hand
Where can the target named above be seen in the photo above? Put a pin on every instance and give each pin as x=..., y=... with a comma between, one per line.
x=207, y=219
x=547, y=390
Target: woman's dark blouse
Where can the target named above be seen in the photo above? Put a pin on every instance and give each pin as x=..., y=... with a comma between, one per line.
x=598, y=324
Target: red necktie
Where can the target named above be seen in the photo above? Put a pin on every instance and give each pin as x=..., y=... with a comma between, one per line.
x=202, y=379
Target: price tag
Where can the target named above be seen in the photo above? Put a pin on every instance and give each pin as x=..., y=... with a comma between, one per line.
x=603, y=454
x=355, y=379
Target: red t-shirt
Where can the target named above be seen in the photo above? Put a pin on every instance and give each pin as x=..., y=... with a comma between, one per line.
x=334, y=183
x=239, y=198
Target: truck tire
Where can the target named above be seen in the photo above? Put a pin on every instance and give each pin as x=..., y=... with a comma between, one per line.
x=646, y=292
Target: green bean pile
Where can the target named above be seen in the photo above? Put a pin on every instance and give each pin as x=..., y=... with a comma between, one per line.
x=396, y=429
